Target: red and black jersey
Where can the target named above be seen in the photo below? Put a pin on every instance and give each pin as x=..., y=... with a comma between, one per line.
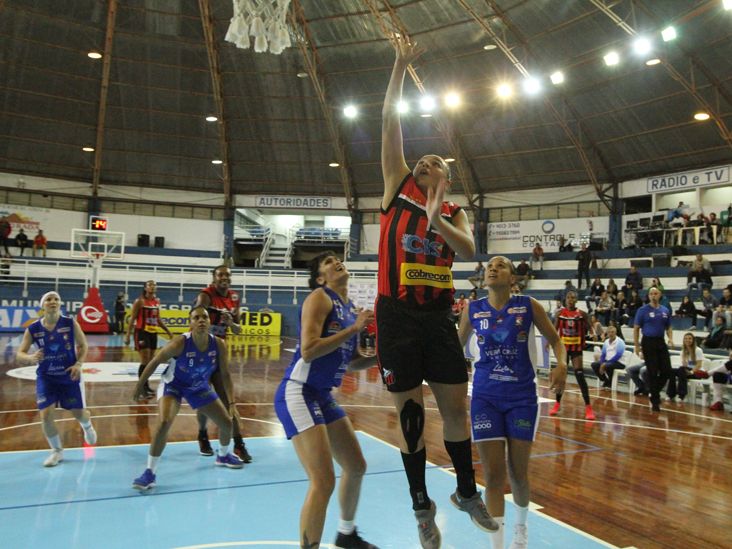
x=218, y=305
x=572, y=328
x=149, y=315
x=414, y=261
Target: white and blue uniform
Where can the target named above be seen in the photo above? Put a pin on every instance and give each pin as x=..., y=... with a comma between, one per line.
x=504, y=402
x=188, y=375
x=53, y=382
x=303, y=398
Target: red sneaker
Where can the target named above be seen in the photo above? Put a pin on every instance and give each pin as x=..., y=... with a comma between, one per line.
x=555, y=409
x=589, y=414
x=717, y=407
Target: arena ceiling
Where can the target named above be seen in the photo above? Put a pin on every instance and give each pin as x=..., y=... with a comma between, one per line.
x=164, y=68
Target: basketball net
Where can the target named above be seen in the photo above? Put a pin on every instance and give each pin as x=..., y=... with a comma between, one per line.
x=264, y=20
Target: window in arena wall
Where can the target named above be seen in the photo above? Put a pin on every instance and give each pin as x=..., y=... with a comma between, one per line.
x=548, y=211
x=183, y=211
x=163, y=210
x=201, y=213
x=142, y=208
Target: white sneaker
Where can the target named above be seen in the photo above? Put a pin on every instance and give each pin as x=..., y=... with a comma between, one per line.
x=90, y=435
x=54, y=458
x=520, y=537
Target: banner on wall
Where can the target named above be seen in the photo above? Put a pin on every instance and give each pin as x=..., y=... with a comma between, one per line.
x=252, y=323
x=522, y=236
x=29, y=221
x=686, y=181
x=307, y=202
x=362, y=294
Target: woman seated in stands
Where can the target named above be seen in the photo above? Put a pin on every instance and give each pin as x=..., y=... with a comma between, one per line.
x=611, y=288
x=604, y=308
x=692, y=367
x=716, y=334
x=721, y=375
x=634, y=303
x=618, y=314
x=596, y=330
x=656, y=283
x=687, y=309
x=593, y=297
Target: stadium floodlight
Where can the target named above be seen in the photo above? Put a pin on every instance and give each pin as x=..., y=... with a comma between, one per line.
x=94, y=55
x=211, y=118
x=701, y=116
x=668, y=34
x=350, y=111
x=642, y=46
x=654, y=61
x=402, y=107
x=557, y=77
x=217, y=162
x=504, y=90
x=727, y=4
x=531, y=85
x=334, y=164
x=452, y=100
x=611, y=58
x=427, y=103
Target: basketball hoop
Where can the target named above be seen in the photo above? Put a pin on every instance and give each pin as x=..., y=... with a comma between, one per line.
x=262, y=19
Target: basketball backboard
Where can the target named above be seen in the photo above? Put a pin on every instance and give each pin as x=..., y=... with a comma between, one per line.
x=97, y=245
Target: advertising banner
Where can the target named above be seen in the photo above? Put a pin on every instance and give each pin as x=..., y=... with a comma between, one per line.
x=252, y=324
x=522, y=236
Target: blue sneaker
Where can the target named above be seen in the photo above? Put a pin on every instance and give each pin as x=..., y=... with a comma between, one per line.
x=144, y=481
x=229, y=460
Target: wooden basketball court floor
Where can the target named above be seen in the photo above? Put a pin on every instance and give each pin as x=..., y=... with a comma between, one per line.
x=629, y=479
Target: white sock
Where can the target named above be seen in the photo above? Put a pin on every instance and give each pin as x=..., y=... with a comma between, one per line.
x=55, y=442
x=224, y=450
x=521, y=514
x=346, y=527
x=717, y=391
x=497, y=537
x=152, y=463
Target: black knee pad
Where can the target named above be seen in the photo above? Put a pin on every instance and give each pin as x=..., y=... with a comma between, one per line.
x=412, y=421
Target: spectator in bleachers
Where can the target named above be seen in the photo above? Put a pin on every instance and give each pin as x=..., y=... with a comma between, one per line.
x=700, y=270
x=562, y=295
x=709, y=305
x=21, y=241
x=40, y=242
x=712, y=221
x=687, y=309
x=473, y=295
x=593, y=296
x=633, y=280
x=691, y=367
x=617, y=314
x=523, y=274
x=5, y=230
x=610, y=358
x=721, y=375
x=634, y=303
x=584, y=258
x=564, y=245
x=612, y=288
x=478, y=278
x=458, y=305
x=716, y=334
x=724, y=309
x=596, y=331
x=604, y=308
x=515, y=289
x=678, y=212
x=639, y=374
x=656, y=283
x=537, y=256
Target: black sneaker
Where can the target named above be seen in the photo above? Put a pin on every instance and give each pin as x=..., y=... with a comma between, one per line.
x=353, y=541
x=204, y=446
x=242, y=454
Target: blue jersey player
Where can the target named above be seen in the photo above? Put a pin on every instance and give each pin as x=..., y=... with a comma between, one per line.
x=319, y=429
x=196, y=357
x=61, y=351
x=504, y=407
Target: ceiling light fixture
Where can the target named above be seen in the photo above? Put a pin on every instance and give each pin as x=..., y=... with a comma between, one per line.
x=448, y=159
x=557, y=77
x=88, y=149
x=701, y=116
x=727, y=4
x=402, y=107
x=504, y=91
x=302, y=74
x=489, y=47
x=350, y=111
x=427, y=103
x=642, y=46
x=94, y=55
x=611, y=58
x=211, y=118
x=531, y=85
x=452, y=100
x=217, y=162
x=334, y=164
x=654, y=61
x=668, y=34
x=426, y=115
